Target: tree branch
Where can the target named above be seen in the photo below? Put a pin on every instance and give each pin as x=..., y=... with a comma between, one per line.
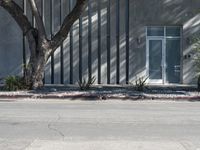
x=18, y=15
x=38, y=18
x=69, y=20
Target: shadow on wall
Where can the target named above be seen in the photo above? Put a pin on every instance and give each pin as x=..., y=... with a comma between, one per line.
x=89, y=31
x=186, y=14
x=165, y=12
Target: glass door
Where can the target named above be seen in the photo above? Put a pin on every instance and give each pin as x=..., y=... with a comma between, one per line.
x=155, y=57
x=163, y=54
x=173, y=67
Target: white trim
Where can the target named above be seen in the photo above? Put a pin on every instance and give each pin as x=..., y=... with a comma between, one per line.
x=172, y=37
x=164, y=63
x=156, y=81
x=147, y=55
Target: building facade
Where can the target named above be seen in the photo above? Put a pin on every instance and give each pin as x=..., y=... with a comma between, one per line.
x=116, y=41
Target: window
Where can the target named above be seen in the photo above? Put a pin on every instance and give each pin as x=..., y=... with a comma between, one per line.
x=155, y=31
x=173, y=31
x=168, y=31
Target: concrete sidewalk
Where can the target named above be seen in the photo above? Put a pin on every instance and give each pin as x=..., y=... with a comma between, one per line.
x=105, y=145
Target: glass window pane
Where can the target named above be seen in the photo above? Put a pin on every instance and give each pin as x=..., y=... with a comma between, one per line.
x=155, y=59
x=173, y=60
x=173, y=31
x=155, y=31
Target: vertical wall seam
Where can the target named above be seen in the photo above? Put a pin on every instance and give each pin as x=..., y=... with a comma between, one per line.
x=42, y=14
x=117, y=41
x=127, y=41
x=24, y=40
x=99, y=41
x=71, y=45
x=61, y=47
x=42, y=10
x=89, y=41
x=80, y=49
x=52, y=28
x=108, y=42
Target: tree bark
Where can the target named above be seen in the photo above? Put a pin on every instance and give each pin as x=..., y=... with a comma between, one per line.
x=34, y=71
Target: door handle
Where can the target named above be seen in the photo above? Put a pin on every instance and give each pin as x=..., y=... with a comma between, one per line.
x=177, y=68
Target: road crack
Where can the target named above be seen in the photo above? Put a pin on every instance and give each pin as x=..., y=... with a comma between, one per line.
x=28, y=145
x=52, y=127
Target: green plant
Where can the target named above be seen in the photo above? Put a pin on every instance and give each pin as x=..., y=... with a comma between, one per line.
x=86, y=84
x=140, y=84
x=14, y=83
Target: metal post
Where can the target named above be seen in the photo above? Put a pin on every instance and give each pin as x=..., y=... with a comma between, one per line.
x=127, y=41
x=99, y=41
x=42, y=14
x=61, y=47
x=89, y=41
x=24, y=41
x=71, y=46
x=80, y=49
x=118, y=41
x=108, y=42
x=52, y=30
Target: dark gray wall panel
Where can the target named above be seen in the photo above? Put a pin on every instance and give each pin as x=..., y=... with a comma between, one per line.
x=104, y=42
x=122, y=43
x=113, y=42
x=94, y=37
x=11, y=46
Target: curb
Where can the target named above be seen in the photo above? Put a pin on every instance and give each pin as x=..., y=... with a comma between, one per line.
x=99, y=97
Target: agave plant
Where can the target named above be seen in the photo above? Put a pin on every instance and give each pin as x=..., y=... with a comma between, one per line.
x=86, y=84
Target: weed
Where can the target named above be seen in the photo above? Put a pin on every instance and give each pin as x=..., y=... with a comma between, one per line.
x=140, y=84
x=14, y=83
x=86, y=84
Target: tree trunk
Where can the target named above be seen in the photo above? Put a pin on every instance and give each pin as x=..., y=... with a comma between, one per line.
x=34, y=71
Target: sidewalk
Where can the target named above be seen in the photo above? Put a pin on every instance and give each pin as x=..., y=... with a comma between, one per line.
x=105, y=145
x=106, y=92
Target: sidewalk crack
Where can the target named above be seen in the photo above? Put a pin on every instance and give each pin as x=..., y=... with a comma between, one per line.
x=52, y=127
x=28, y=145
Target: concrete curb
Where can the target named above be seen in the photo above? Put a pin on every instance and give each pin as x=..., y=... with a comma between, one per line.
x=96, y=97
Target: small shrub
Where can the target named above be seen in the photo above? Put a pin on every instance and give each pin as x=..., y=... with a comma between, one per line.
x=140, y=84
x=86, y=84
x=14, y=83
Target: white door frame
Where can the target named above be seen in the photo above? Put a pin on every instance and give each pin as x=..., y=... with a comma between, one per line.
x=163, y=64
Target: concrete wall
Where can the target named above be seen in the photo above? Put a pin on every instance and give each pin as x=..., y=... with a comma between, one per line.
x=142, y=13
x=166, y=12
x=10, y=45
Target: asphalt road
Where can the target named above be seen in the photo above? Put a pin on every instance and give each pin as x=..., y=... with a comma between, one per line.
x=99, y=125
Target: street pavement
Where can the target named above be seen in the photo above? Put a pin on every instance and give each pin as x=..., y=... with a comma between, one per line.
x=99, y=125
